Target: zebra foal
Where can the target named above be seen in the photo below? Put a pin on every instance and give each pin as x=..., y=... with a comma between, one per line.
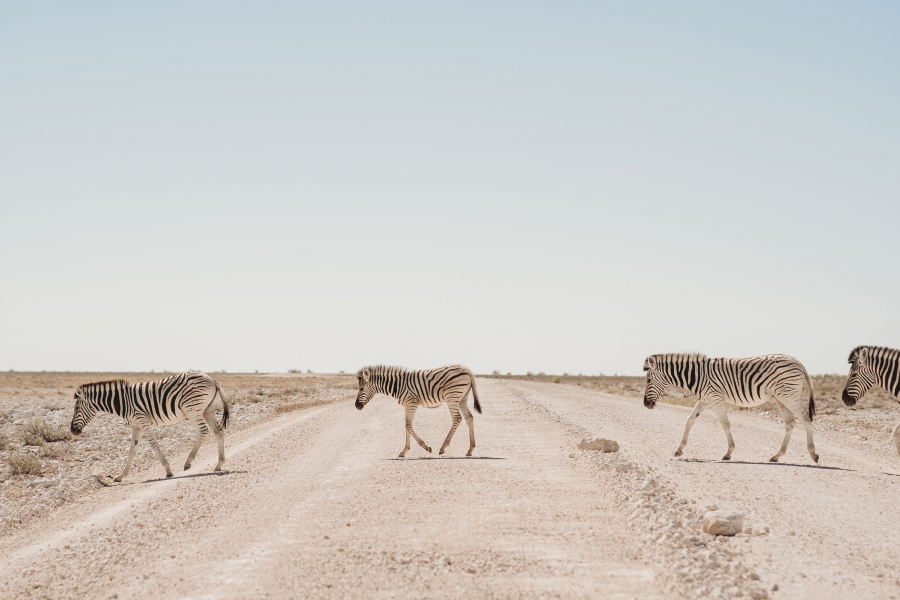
x=871, y=366
x=738, y=381
x=429, y=388
x=168, y=401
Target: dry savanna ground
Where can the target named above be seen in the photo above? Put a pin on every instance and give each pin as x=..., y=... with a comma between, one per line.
x=313, y=501
x=43, y=467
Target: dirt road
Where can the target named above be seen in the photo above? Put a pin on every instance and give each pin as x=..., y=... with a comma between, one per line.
x=315, y=504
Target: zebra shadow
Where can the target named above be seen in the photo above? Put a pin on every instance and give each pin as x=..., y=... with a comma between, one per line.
x=107, y=480
x=767, y=464
x=447, y=458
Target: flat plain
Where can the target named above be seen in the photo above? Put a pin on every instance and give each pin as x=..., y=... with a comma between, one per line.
x=314, y=503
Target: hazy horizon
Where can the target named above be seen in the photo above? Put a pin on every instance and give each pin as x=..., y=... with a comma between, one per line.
x=514, y=187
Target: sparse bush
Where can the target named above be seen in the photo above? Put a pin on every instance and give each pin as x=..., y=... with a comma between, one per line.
x=556, y=379
x=33, y=440
x=5, y=444
x=295, y=370
x=38, y=432
x=56, y=451
x=25, y=463
x=495, y=372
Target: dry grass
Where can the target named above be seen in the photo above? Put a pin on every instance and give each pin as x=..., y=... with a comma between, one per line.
x=25, y=463
x=39, y=432
x=57, y=451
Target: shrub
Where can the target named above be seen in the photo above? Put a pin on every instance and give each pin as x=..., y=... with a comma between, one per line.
x=37, y=432
x=25, y=463
x=5, y=444
x=556, y=379
x=57, y=451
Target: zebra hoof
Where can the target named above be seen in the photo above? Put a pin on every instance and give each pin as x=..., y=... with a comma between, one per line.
x=119, y=478
x=168, y=474
x=441, y=452
x=726, y=457
x=469, y=453
x=678, y=453
x=773, y=459
x=186, y=467
x=218, y=468
x=816, y=459
x=428, y=448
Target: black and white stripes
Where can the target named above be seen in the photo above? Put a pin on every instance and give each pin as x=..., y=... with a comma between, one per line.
x=429, y=388
x=871, y=366
x=188, y=395
x=739, y=381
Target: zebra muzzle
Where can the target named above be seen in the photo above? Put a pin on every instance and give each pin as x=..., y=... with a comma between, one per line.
x=848, y=399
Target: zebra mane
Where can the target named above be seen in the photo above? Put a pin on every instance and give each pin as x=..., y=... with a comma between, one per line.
x=90, y=387
x=680, y=358
x=882, y=352
x=380, y=371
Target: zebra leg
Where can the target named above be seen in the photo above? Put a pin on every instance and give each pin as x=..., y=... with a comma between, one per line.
x=209, y=415
x=788, y=417
x=457, y=419
x=463, y=407
x=722, y=413
x=202, y=431
x=810, y=446
x=698, y=408
x=135, y=438
x=155, y=445
x=410, y=414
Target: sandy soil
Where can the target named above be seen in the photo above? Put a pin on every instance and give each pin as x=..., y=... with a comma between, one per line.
x=314, y=503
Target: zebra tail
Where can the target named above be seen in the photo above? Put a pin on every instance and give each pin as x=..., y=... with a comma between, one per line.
x=475, y=394
x=812, y=400
x=224, y=422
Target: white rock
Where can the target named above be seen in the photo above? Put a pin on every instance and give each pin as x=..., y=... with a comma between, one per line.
x=723, y=522
x=601, y=444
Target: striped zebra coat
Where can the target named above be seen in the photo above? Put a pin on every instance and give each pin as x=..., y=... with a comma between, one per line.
x=188, y=395
x=429, y=388
x=738, y=381
x=871, y=366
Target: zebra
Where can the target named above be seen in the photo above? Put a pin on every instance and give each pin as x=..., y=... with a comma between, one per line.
x=429, y=388
x=739, y=381
x=871, y=366
x=189, y=395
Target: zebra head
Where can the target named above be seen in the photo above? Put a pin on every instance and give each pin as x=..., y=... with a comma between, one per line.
x=657, y=382
x=862, y=376
x=85, y=411
x=366, y=388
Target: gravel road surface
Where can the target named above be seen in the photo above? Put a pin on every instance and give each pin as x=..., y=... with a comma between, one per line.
x=315, y=504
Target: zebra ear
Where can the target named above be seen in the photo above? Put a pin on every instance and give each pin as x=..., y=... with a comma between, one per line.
x=365, y=375
x=863, y=355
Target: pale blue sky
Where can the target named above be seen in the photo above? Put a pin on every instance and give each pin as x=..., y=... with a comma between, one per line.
x=515, y=186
